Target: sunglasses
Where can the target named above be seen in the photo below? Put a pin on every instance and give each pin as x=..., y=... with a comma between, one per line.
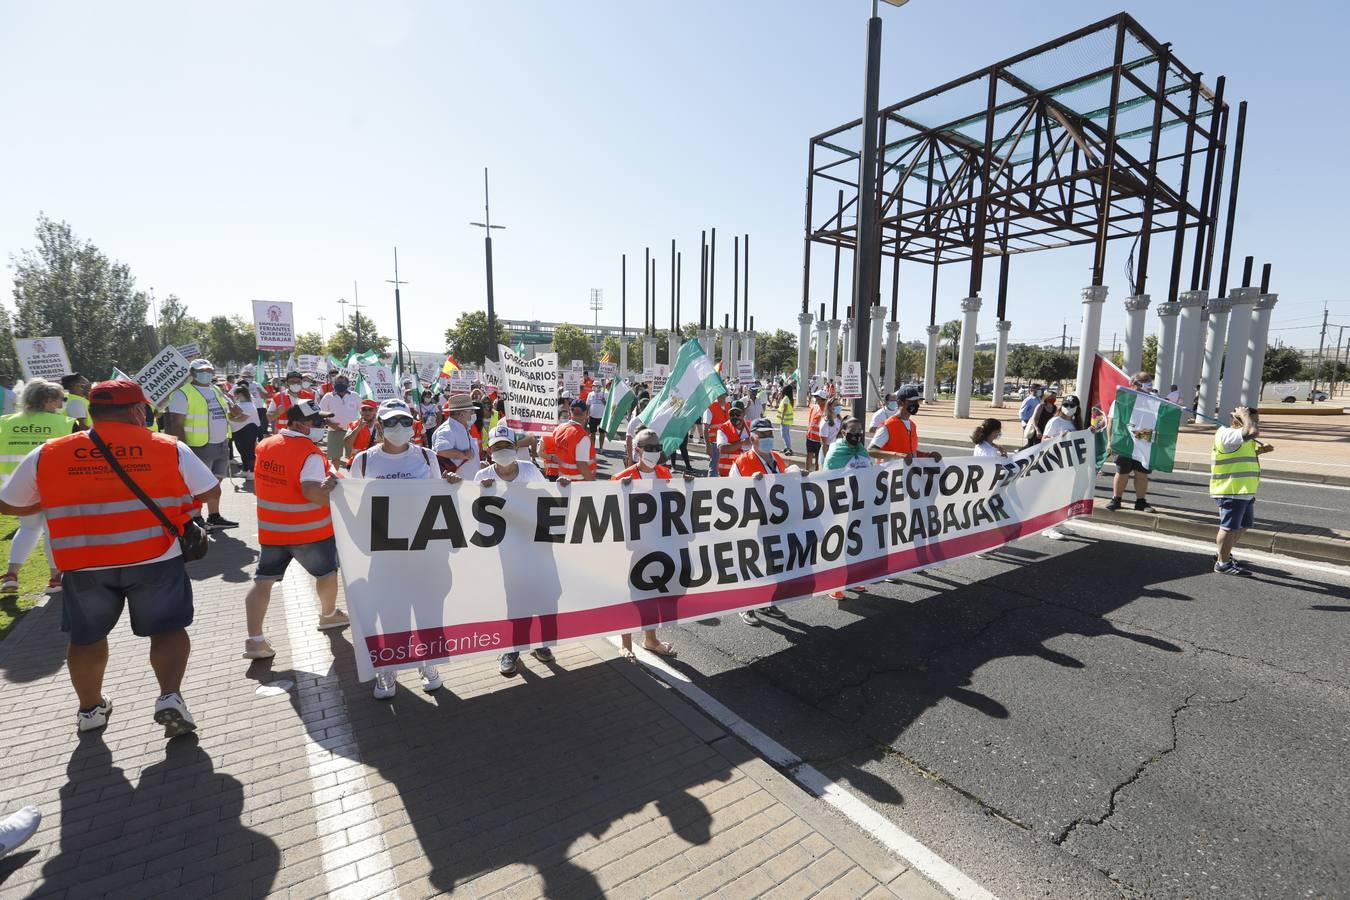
x=399, y=420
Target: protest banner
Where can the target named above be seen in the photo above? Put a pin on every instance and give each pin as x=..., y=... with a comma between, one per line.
x=572, y=381
x=745, y=371
x=458, y=382
x=313, y=363
x=274, y=324
x=608, y=370
x=190, y=351
x=379, y=381
x=43, y=357
x=532, y=388
x=427, y=372
x=850, y=385
x=436, y=571
x=163, y=375
x=660, y=373
x=494, y=375
x=578, y=365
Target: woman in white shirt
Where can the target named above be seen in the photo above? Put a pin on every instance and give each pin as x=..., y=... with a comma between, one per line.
x=395, y=458
x=1066, y=419
x=830, y=425
x=985, y=438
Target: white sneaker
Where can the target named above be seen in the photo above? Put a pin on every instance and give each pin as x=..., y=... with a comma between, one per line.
x=1053, y=534
x=384, y=685
x=431, y=679
x=18, y=827
x=173, y=714
x=96, y=718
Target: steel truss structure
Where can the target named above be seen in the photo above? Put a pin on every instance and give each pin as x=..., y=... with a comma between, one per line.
x=1098, y=135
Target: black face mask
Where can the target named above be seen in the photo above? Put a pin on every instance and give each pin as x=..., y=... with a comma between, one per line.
x=340, y=388
x=853, y=439
x=913, y=408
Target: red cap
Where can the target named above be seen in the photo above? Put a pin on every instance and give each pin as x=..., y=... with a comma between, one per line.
x=369, y=404
x=116, y=393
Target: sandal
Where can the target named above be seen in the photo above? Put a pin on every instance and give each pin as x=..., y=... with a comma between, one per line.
x=9, y=584
x=662, y=648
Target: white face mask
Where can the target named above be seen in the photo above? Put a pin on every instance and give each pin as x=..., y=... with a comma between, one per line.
x=318, y=434
x=202, y=378
x=307, y=384
x=506, y=456
x=398, y=435
x=892, y=406
x=766, y=444
x=293, y=388
x=650, y=457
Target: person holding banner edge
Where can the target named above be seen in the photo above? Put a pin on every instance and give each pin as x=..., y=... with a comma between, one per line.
x=755, y=463
x=898, y=436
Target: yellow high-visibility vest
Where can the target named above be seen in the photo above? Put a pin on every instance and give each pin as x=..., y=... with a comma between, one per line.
x=1235, y=474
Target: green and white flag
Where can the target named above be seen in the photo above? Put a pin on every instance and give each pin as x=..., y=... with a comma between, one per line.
x=691, y=388
x=1144, y=428
x=621, y=400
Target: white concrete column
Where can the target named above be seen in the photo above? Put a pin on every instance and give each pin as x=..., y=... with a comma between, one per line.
x=930, y=366
x=845, y=344
x=831, y=350
x=673, y=341
x=1000, y=362
x=648, y=351
x=822, y=340
x=804, y=322
x=874, y=333
x=1256, y=348
x=892, y=342
x=1136, y=311
x=1235, y=360
x=748, y=350
x=965, y=363
x=705, y=337
x=728, y=355
x=1163, y=375
x=623, y=357
x=1188, y=343
x=1089, y=337
x=1215, y=335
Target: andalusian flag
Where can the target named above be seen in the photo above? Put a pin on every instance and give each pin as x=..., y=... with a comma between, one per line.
x=691, y=388
x=621, y=400
x=450, y=366
x=1144, y=428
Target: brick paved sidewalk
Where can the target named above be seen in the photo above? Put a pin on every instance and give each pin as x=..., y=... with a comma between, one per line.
x=576, y=779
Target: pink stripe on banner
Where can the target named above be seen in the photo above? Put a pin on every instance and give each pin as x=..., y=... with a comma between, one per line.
x=401, y=648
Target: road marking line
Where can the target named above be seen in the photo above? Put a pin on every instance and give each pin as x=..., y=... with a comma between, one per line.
x=1205, y=547
x=883, y=830
x=1173, y=487
x=302, y=609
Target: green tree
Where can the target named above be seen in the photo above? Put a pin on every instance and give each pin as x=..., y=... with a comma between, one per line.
x=309, y=342
x=775, y=353
x=467, y=339
x=176, y=326
x=951, y=333
x=1026, y=361
x=9, y=360
x=1058, y=366
x=68, y=287
x=1326, y=370
x=227, y=339
x=1150, y=360
x=1282, y=364
x=946, y=371
x=983, y=366
x=570, y=343
x=909, y=359
x=610, y=345
x=343, y=342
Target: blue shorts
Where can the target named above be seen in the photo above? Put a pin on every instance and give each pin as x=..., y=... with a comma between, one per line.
x=318, y=558
x=160, y=596
x=1236, y=512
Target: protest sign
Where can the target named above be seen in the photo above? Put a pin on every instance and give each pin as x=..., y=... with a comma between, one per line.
x=572, y=381
x=459, y=382
x=745, y=371
x=532, y=386
x=578, y=365
x=190, y=351
x=274, y=323
x=428, y=371
x=43, y=357
x=850, y=385
x=608, y=370
x=312, y=362
x=379, y=381
x=660, y=372
x=494, y=375
x=550, y=565
x=163, y=375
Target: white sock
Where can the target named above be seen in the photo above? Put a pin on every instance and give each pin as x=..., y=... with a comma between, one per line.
x=255, y=637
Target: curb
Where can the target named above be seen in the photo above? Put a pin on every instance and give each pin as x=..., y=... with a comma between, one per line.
x=1329, y=549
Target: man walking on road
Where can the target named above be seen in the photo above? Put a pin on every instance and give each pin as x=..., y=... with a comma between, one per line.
x=113, y=549
x=1234, y=476
x=292, y=479
x=201, y=416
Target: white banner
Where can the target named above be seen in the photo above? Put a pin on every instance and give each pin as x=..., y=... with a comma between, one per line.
x=578, y=366
x=608, y=370
x=274, y=323
x=660, y=373
x=314, y=364
x=190, y=351
x=572, y=381
x=428, y=371
x=435, y=571
x=494, y=376
x=532, y=386
x=380, y=381
x=43, y=357
x=163, y=375
x=745, y=371
x=850, y=385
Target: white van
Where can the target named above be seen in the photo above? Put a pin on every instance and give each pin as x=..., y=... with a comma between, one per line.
x=1288, y=392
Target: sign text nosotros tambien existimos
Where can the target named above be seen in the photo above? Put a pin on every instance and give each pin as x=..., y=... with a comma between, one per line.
x=435, y=562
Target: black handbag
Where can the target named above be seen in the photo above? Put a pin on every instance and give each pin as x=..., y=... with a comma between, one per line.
x=193, y=540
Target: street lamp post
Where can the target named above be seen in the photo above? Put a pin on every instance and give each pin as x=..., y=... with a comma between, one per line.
x=398, y=312
x=487, y=227
x=597, y=304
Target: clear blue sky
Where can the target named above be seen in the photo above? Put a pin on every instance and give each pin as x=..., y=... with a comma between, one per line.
x=280, y=150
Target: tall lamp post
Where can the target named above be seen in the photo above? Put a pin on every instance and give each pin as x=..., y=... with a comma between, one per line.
x=867, y=257
x=487, y=227
x=597, y=304
x=398, y=311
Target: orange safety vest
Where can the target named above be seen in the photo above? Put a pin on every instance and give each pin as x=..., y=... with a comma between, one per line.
x=285, y=515
x=549, y=456
x=419, y=433
x=748, y=463
x=364, y=438
x=726, y=459
x=718, y=415
x=813, y=423
x=93, y=518
x=659, y=473
x=565, y=439
x=289, y=400
x=899, y=438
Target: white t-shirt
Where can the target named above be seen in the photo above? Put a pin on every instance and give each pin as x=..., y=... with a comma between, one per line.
x=248, y=409
x=346, y=408
x=754, y=409
x=1056, y=426
x=744, y=437
x=1230, y=439
x=881, y=416
x=21, y=489
x=413, y=462
x=77, y=407
x=984, y=448
x=313, y=469
x=527, y=473
x=829, y=432
x=217, y=431
x=1174, y=396
x=596, y=401
x=454, y=435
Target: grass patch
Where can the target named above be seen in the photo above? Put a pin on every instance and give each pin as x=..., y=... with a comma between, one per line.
x=32, y=577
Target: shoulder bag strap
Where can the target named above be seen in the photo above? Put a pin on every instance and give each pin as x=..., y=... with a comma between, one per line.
x=135, y=488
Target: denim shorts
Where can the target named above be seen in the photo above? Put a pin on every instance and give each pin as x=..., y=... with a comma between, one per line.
x=318, y=558
x=1236, y=512
x=160, y=596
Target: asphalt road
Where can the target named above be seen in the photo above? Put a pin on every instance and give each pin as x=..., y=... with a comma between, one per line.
x=1099, y=717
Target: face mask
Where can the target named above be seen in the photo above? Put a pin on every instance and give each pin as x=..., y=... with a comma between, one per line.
x=1146, y=387
x=504, y=457
x=765, y=444
x=838, y=410
x=340, y=388
x=398, y=435
x=853, y=439
x=651, y=457
x=318, y=433
x=1068, y=411
x=892, y=405
x=293, y=388
x=307, y=384
x=202, y=378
